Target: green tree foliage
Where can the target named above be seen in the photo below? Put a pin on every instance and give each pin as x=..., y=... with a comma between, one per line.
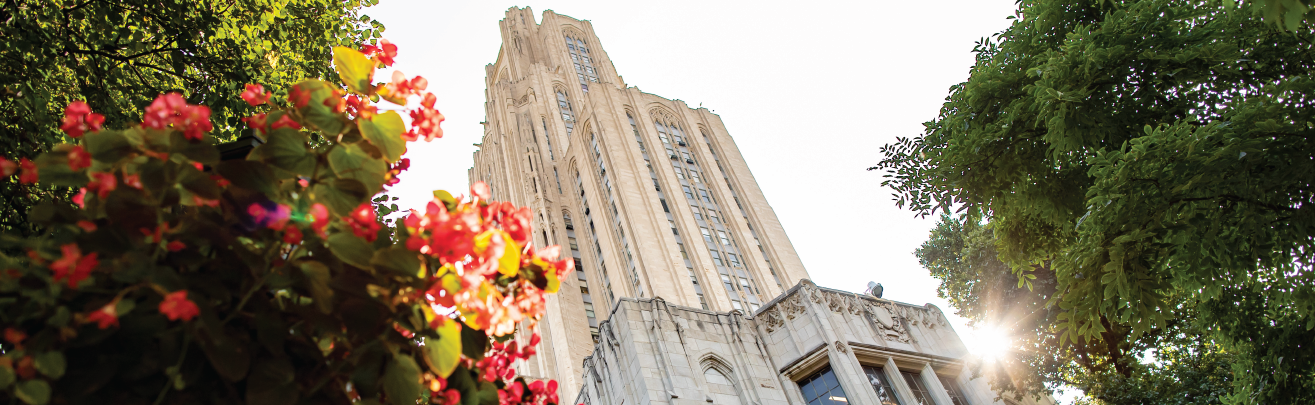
x=1156, y=159
x=1172, y=365
x=119, y=55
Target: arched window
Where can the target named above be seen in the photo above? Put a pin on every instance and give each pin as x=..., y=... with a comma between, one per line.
x=721, y=387
x=568, y=116
x=584, y=64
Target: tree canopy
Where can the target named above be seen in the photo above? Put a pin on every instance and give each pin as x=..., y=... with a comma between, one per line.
x=1143, y=171
x=118, y=56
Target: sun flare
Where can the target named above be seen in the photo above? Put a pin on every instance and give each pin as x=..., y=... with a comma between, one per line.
x=989, y=343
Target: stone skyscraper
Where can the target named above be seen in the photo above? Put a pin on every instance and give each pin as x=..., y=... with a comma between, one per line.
x=686, y=290
x=650, y=196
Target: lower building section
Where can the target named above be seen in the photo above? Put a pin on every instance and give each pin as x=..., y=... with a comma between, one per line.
x=810, y=345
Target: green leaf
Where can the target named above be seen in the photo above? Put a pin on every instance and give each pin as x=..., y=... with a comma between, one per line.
x=341, y=195
x=385, y=132
x=108, y=146
x=397, y=260
x=198, y=183
x=351, y=249
x=7, y=377
x=200, y=150
x=286, y=149
x=351, y=162
x=444, y=352
x=355, y=70
x=317, y=280
x=249, y=174
x=402, y=380
x=53, y=169
x=51, y=364
x=320, y=116
x=33, y=392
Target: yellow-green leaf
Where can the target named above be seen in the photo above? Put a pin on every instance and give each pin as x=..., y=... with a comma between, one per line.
x=356, y=70
x=445, y=352
x=385, y=132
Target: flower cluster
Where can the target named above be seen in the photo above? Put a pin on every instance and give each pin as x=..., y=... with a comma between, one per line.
x=78, y=119
x=363, y=223
x=425, y=121
x=477, y=242
x=255, y=95
x=170, y=109
x=74, y=266
x=382, y=53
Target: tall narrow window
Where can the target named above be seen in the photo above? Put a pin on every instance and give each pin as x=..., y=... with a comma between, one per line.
x=545, y=136
x=952, y=389
x=885, y=392
x=920, y=392
x=822, y=388
x=559, y=180
x=568, y=116
x=584, y=65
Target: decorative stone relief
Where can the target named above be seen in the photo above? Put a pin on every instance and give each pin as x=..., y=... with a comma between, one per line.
x=842, y=347
x=813, y=294
x=772, y=319
x=889, y=326
x=835, y=302
x=791, y=306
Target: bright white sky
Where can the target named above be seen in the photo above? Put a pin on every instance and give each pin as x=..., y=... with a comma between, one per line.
x=808, y=89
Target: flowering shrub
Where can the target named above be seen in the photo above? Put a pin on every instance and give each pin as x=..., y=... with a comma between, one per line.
x=181, y=278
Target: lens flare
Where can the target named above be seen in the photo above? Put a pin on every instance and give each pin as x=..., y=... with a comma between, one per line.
x=988, y=342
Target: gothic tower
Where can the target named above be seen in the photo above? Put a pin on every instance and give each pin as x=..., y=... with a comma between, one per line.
x=650, y=196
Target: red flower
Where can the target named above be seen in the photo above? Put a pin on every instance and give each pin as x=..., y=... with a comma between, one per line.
x=256, y=122
x=7, y=167
x=73, y=265
x=81, y=198
x=102, y=184
x=219, y=180
x=78, y=119
x=87, y=226
x=176, y=306
x=133, y=180
x=480, y=190
x=383, y=53
x=320, y=218
x=360, y=107
x=78, y=158
x=284, y=121
x=15, y=336
x=255, y=95
x=292, y=235
x=298, y=96
x=362, y=222
x=425, y=121
x=175, y=246
x=171, y=109
x=29, y=171
x=396, y=170
x=105, y=316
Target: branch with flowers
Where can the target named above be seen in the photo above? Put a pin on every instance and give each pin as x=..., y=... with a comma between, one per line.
x=179, y=277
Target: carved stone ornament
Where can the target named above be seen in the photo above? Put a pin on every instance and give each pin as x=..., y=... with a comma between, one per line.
x=772, y=319
x=791, y=306
x=813, y=294
x=889, y=326
x=835, y=302
x=842, y=347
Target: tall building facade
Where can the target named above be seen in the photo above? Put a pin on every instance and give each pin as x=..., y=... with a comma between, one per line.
x=686, y=290
x=650, y=196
